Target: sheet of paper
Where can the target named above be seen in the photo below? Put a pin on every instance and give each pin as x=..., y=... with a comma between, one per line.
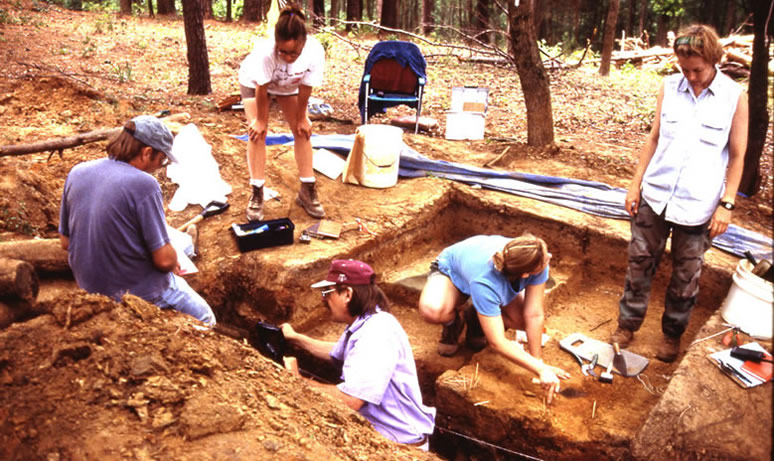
x=328, y=163
x=724, y=357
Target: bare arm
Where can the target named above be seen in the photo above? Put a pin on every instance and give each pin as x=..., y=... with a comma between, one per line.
x=632, y=204
x=319, y=349
x=303, y=126
x=64, y=242
x=257, y=114
x=534, y=318
x=165, y=258
x=494, y=329
x=737, y=146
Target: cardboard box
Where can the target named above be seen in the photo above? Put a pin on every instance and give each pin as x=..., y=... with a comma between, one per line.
x=263, y=234
x=467, y=115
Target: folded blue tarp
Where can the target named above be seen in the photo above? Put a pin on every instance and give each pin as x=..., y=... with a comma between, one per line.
x=588, y=196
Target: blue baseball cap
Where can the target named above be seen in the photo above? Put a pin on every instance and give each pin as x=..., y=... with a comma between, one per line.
x=152, y=132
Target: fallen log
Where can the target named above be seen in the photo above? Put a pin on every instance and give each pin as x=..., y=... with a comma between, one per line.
x=58, y=145
x=13, y=311
x=45, y=255
x=18, y=280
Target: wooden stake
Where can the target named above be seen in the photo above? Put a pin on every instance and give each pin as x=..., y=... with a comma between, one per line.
x=594, y=410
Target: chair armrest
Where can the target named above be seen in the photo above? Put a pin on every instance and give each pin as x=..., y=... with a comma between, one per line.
x=367, y=78
x=421, y=81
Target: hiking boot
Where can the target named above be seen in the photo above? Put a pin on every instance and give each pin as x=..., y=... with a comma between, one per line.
x=669, y=349
x=450, y=336
x=622, y=336
x=255, y=205
x=194, y=233
x=474, y=336
x=307, y=198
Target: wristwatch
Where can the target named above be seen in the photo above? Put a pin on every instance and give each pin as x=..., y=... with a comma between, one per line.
x=727, y=205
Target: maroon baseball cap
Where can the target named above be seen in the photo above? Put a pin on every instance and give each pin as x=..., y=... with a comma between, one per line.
x=347, y=272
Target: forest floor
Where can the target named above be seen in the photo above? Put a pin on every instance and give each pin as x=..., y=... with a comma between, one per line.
x=128, y=381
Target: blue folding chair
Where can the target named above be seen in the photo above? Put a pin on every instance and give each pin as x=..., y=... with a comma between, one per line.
x=394, y=75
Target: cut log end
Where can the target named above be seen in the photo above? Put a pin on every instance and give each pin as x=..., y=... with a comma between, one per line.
x=18, y=279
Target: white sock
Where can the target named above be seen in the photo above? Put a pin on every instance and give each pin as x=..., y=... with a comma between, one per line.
x=307, y=180
x=257, y=182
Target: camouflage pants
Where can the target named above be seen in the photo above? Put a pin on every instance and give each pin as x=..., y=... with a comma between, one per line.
x=689, y=243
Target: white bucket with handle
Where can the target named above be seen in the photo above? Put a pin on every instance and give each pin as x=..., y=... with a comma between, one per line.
x=749, y=302
x=375, y=156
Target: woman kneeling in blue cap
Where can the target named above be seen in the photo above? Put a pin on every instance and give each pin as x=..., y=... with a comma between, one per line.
x=379, y=376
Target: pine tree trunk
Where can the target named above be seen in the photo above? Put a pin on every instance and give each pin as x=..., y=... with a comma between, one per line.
x=532, y=74
x=609, y=38
x=758, y=99
x=198, y=61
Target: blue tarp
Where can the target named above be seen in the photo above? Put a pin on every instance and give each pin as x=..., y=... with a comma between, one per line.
x=588, y=196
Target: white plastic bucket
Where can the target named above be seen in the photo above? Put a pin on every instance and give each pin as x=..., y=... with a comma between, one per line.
x=749, y=302
x=381, y=146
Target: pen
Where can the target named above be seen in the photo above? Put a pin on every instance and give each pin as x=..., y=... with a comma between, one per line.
x=729, y=369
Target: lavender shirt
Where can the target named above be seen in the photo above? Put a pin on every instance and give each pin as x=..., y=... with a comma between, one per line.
x=379, y=369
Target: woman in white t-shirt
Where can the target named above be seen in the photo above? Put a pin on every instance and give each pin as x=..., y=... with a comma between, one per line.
x=286, y=68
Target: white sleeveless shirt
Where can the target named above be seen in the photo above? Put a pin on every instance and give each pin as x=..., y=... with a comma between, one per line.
x=686, y=175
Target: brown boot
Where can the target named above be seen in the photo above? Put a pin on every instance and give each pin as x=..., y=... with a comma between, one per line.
x=669, y=349
x=307, y=198
x=475, y=339
x=255, y=205
x=450, y=336
x=622, y=336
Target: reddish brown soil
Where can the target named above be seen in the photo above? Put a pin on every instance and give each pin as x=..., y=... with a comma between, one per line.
x=100, y=379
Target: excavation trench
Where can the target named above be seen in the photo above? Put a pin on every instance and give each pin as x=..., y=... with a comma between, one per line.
x=486, y=405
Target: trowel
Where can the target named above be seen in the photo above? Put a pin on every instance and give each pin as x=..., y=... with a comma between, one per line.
x=585, y=347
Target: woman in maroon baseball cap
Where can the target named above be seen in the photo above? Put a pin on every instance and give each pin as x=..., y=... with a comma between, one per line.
x=379, y=376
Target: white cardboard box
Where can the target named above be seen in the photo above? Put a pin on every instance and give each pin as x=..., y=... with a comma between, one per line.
x=467, y=116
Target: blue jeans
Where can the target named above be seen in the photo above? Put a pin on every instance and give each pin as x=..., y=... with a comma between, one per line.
x=182, y=298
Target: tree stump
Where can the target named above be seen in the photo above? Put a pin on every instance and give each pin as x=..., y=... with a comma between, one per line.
x=18, y=280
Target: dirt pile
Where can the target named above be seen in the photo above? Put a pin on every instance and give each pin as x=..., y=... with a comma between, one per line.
x=96, y=379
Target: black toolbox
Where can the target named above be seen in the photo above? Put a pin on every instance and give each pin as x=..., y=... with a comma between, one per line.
x=263, y=234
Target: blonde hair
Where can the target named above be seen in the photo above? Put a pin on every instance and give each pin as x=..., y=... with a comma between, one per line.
x=520, y=256
x=699, y=40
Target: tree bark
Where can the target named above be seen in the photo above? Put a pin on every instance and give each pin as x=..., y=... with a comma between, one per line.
x=252, y=11
x=125, y=7
x=481, y=20
x=318, y=8
x=428, y=22
x=609, y=39
x=758, y=98
x=390, y=14
x=59, y=144
x=354, y=12
x=45, y=255
x=198, y=61
x=18, y=280
x=150, y=8
x=532, y=75
x=166, y=7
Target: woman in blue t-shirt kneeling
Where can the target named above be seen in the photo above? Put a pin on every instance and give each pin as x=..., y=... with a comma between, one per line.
x=505, y=281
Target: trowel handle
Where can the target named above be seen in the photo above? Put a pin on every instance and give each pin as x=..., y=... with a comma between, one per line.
x=195, y=220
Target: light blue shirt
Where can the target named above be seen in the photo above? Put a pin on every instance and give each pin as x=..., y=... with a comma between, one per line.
x=469, y=266
x=687, y=173
x=378, y=368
